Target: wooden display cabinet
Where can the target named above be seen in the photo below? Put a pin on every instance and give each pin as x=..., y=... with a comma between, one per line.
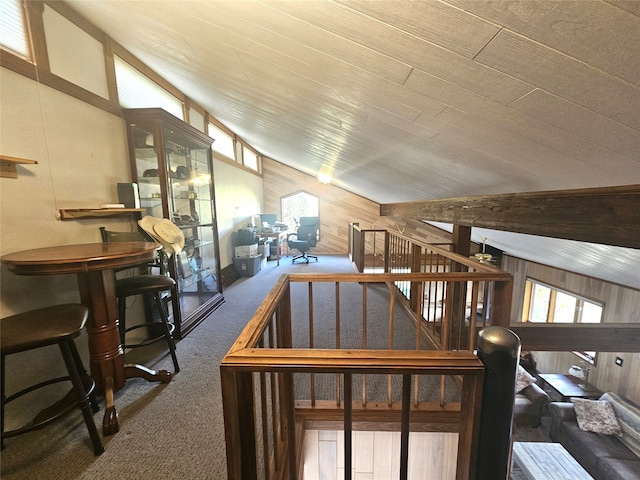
x=172, y=164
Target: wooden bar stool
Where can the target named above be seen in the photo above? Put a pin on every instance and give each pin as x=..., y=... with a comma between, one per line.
x=55, y=325
x=151, y=285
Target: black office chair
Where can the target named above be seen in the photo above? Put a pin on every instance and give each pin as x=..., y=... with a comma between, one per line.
x=305, y=238
x=145, y=284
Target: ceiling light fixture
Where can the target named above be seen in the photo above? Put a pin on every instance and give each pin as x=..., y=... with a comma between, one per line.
x=324, y=178
x=483, y=257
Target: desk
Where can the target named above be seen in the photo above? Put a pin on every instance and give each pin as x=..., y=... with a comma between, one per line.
x=567, y=386
x=547, y=461
x=93, y=263
x=277, y=236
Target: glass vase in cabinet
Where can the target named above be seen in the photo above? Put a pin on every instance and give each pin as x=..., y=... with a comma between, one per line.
x=172, y=164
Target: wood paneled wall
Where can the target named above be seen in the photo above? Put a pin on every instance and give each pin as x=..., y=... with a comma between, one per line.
x=338, y=208
x=621, y=305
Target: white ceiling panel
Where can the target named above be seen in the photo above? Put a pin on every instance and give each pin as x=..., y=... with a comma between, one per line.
x=564, y=76
x=576, y=28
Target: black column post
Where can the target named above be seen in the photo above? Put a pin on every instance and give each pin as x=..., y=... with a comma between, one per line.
x=499, y=350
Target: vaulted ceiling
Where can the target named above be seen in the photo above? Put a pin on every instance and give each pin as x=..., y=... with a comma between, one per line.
x=414, y=100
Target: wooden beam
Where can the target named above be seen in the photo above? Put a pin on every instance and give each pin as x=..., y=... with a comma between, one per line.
x=601, y=337
x=606, y=215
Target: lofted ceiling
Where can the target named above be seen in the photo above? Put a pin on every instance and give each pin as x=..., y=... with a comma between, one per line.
x=415, y=100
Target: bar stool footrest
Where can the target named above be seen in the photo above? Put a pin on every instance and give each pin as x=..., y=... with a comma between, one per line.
x=65, y=405
x=148, y=341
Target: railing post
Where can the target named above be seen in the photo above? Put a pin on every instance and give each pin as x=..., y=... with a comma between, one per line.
x=287, y=394
x=360, y=248
x=386, y=251
x=499, y=350
x=350, y=244
x=239, y=424
x=501, y=305
x=416, y=256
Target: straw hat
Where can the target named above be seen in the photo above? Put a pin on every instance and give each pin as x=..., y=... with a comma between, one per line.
x=164, y=232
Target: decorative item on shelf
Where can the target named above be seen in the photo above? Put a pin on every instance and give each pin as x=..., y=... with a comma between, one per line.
x=484, y=257
x=199, y=179
x=183, y=172
x=188, y=194
x=582, y=371
x=128, y=194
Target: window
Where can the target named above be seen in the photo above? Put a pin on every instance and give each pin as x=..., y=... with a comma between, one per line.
x=196, y=120
x=300, y=204
x=136, y=90
x=545, y=304
x=223, y=143
x=13, y=32
x=249, y=158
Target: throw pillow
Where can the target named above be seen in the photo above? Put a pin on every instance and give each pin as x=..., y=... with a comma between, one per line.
x=524, y=379
x=596, y=416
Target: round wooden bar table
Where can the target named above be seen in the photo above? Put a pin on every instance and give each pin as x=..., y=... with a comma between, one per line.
x=94, y=265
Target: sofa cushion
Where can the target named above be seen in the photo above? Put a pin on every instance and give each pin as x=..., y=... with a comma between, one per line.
x=596, y=416
x=628, y=416
x=524, y=379
x=619, y=469
x=594, y=445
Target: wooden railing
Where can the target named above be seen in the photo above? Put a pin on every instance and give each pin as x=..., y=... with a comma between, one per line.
x=368, y=249
x=449, y=314
x=299, y=363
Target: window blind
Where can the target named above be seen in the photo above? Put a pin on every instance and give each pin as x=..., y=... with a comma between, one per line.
x=136, y=90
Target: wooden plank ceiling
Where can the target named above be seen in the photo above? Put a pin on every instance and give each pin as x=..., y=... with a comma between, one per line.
x=409, y=100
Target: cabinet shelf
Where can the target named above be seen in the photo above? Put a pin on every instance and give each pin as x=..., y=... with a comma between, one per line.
x=84, y=213
x=195, y=277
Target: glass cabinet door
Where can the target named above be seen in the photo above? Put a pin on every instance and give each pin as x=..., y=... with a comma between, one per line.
x=147, y=172
x=173, y=167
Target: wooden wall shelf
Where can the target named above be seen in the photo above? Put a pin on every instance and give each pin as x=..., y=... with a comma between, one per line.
x=84, y=213
x=8, y=165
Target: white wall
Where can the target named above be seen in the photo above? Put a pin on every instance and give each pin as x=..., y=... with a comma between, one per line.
x=238, y=198
x=81, y=153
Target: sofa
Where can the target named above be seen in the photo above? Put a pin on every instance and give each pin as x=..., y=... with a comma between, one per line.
x=606, y=456
x=530, y=400
x=529, y=406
